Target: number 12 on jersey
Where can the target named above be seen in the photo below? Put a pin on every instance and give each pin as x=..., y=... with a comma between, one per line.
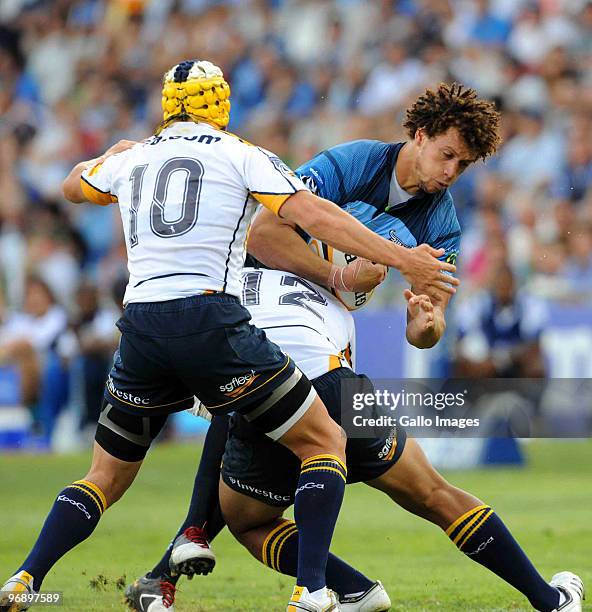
x=303, y=299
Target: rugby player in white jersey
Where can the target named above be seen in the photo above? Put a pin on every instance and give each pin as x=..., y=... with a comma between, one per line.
x=259, y=478
x=187, y=196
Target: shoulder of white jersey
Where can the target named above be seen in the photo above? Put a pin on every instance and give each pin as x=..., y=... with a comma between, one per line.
x=111, y=164
x=276, y=162
x=236, y=138
x=282, y=167
x=236, y=148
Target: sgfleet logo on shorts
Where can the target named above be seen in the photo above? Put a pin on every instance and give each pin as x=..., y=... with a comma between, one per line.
x=126, y=397
x=388, y=450
x=239, y=384
x=269, y=494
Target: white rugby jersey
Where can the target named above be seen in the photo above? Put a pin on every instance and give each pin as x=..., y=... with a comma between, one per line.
x=186, y=199
x=304, y=320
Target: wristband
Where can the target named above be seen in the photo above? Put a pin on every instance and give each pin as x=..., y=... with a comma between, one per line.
x=336, y=278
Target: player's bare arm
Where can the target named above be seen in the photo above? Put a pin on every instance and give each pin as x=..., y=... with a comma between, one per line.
x=327, y=222
x=71, y=186
x=275, y=242
x=426, y=323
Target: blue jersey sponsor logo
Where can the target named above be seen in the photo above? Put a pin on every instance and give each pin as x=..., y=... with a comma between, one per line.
x=394, y=229
x=394, y=238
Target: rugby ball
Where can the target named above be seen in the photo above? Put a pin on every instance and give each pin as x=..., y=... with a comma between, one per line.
x=352, y=300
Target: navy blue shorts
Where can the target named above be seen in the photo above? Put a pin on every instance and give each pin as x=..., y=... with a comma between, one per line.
x=256, y=466
x=204, y=346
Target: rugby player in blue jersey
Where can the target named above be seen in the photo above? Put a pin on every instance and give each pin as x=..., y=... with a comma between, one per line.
x=400, y=191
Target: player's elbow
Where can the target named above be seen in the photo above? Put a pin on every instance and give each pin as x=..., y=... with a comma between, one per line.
x=72, y=190
x=68, y=193
x=300, y=209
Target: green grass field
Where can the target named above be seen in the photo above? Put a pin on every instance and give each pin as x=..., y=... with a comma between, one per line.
x=548, y=506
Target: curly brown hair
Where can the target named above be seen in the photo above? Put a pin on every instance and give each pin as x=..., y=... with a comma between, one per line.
x=477, y=120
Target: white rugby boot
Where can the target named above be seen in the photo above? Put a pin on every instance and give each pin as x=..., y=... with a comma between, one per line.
x=573, y=588
x=375, y=599
x=191, y=553
x=13, y=593
x=150, y=595
x=303, y=601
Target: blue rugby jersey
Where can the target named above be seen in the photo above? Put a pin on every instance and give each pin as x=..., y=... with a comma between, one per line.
x=357, y=175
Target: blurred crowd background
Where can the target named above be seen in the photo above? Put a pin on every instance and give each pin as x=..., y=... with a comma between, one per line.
x=78, y=75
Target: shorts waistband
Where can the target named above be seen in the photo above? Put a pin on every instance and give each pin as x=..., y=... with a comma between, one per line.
x=181, y=304
x=329, y=378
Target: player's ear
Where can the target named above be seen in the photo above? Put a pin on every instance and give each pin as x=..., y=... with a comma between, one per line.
x=420, y=135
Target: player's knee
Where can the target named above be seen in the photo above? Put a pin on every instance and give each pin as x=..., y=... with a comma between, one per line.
x=242, y=537
x=437, y=497
x=329, y=438
x=335, y=439
x=314, y=434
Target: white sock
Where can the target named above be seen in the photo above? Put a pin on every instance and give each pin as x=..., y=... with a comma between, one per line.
x=320, y=595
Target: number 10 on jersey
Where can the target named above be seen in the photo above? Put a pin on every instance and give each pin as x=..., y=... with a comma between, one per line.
x=192, y=171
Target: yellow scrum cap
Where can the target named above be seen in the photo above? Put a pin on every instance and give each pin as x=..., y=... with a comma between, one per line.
x=196, y=88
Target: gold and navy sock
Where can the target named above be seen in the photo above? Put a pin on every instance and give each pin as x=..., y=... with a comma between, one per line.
x=317, y=502
x=483, y=537
x=73, y=517
x=280, y=548
x=280, y=552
